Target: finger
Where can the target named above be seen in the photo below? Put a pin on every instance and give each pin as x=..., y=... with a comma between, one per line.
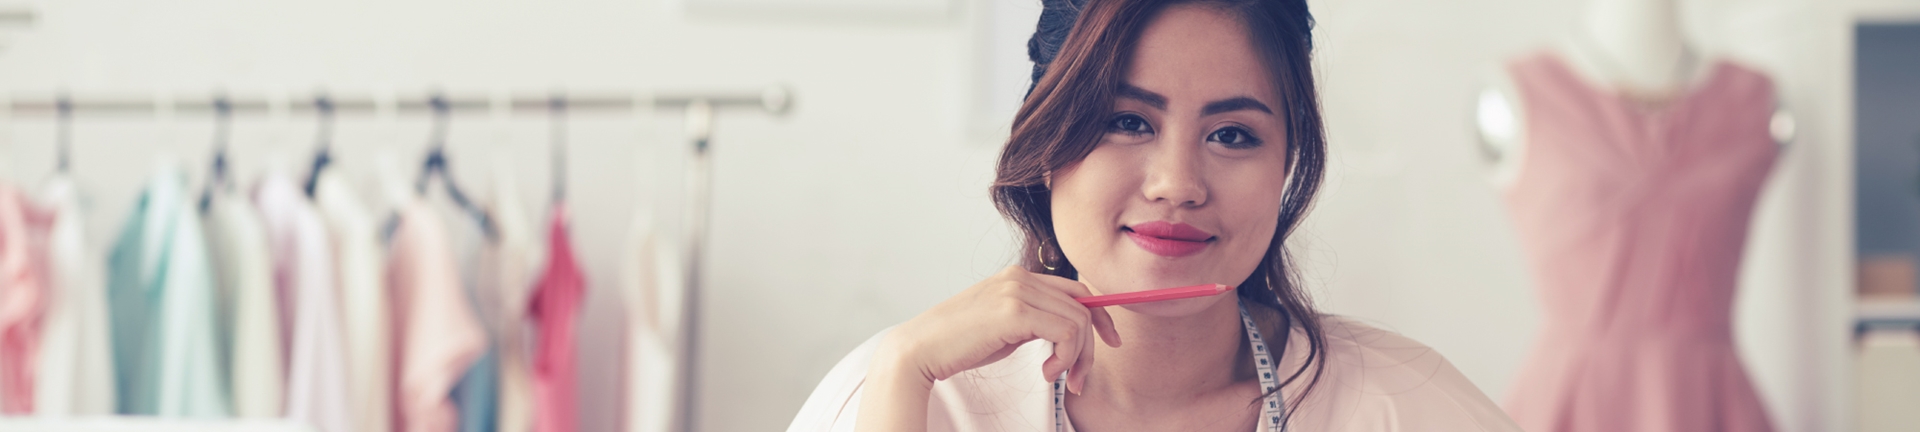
x=1061, y=332
x=1083, y=317
x=1103, y=324
x=1098, y=317
x=1077, y=375
x=1065, y=355
x=1054, y=302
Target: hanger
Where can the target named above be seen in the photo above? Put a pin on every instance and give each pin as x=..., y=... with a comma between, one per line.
x=436, y=165
x=557, y=108
x=323, y=153
x=222, y=132
x=64, y=162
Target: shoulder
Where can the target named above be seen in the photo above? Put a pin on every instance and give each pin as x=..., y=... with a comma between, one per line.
x=1380, y=380
x=833, y=404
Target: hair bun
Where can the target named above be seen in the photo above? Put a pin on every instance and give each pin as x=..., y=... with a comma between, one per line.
x=1056, y=20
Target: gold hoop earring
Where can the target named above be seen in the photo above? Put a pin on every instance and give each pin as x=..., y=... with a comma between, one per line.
x=1040, y=252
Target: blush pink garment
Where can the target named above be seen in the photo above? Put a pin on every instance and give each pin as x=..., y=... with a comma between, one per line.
x=1375, y=381
x=1634, y=220
x=24, y=229
x=304, y=273
x=555, y=311
x=437, y=336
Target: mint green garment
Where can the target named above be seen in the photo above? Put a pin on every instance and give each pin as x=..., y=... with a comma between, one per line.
x=160, y=290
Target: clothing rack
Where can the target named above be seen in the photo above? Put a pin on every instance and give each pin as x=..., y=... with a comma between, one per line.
x=773, y=100
x=699, y=109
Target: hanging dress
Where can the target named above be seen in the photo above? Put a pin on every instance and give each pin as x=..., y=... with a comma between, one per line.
x=304, y=271
x=76, y=357
x=1634, y=221
x=651, y=288
x=160, y=293
x=24, y=295
x=363, y=300
x=508, y=278
x=477, y=394
x=436, y=339
x=251, y=326
x=556, y=310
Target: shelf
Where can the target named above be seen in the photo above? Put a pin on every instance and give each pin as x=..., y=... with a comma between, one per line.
x=1885, y=313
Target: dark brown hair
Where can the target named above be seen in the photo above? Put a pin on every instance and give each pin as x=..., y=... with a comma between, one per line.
x=1080, y=51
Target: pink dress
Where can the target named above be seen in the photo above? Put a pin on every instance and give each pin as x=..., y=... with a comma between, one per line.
x=555, y=310
x=24, y=229
x=436, y=336
x=1634, y=221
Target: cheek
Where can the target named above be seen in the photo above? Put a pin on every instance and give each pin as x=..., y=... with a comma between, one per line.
x=1087, y=199
x=1251, y=207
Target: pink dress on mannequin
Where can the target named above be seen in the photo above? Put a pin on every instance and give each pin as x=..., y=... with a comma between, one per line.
x=1634, y=219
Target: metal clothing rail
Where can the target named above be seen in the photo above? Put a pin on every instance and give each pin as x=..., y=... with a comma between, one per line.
x=773, y=99
x=699, y=108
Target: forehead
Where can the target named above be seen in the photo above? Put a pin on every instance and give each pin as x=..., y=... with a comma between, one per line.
x=1198, y=52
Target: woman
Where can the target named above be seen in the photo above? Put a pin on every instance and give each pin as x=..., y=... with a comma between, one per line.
x=1164, y=143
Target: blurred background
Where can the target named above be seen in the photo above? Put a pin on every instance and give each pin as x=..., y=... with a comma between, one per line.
x=865, y=201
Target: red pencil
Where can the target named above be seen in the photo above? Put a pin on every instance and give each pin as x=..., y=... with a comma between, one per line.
x=1153, y=295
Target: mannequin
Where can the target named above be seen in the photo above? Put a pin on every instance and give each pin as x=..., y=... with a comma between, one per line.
x=1633, y=202
x=1634, y=46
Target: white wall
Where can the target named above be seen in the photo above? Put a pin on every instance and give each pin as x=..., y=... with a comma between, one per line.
x=868, y=204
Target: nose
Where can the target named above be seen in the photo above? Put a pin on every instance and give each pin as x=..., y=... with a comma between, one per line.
x=1173, y=174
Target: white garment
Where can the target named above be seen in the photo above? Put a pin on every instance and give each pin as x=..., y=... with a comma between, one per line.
x=652, y=287
x=304, y=271
x=363, y=301
x=512, y=261
x=76, y=356
x=250, y=307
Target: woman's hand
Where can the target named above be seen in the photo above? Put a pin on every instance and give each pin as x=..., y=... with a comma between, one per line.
x=977, y=327
x=989, y=320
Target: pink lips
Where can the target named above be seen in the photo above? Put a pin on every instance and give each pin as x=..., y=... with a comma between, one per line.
x=1168, y=239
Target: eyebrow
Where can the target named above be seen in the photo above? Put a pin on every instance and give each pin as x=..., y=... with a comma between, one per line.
x=1159, y=102
x=1234, y=104
x=1150, y=98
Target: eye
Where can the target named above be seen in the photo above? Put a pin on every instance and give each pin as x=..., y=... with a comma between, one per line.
x=1130, y=124
x=1234, y=137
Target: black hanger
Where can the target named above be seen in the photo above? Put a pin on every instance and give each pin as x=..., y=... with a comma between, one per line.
x=64, y=139
x=222, y=132
x=323, y=153
x=436, y=164
x=557, y=107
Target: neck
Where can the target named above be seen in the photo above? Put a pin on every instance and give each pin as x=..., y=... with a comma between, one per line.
x=1642, y=42
x=1169, y=362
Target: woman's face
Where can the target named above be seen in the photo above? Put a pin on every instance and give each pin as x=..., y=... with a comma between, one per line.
x=1185, y=186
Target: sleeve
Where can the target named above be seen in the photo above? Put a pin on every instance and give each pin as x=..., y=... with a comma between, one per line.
x=835, y=403
x=1378, y=380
